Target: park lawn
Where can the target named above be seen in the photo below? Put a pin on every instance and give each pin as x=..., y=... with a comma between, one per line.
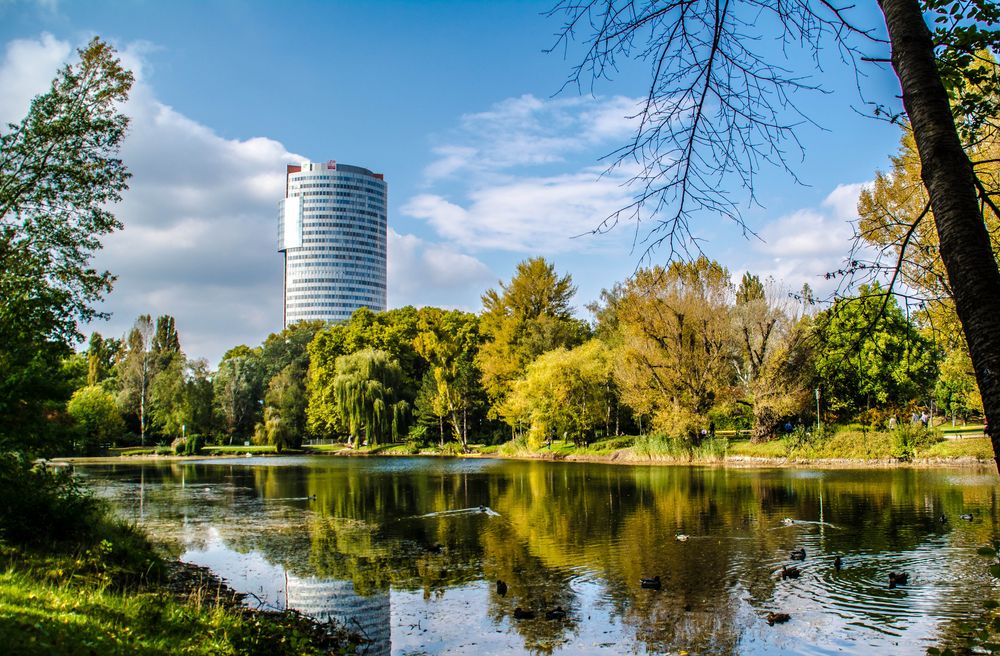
x=969, y=447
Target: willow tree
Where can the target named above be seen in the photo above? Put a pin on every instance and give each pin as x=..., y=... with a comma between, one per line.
x=367, y=393
x=719, y=107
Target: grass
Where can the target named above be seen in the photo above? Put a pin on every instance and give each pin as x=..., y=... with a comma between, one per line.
x=48, y=614
x=74, y=580
x=253, y=448
x=972, y=447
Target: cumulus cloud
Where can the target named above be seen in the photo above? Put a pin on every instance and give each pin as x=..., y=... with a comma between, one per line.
x=424, y=273
x=543, y=214
x=809, y=243
x=200, y=233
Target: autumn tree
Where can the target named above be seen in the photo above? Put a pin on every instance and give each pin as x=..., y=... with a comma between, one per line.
x=677, y=347
x=523, y=319
x=717, y=110
x=60, y=176
x=774, y=367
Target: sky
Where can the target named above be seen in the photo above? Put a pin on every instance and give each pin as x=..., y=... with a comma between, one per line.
x=490, y=158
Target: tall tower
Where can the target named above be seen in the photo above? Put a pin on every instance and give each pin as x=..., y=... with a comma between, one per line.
x=332, y=231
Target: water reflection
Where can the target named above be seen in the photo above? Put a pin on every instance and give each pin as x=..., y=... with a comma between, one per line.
x=376, y=542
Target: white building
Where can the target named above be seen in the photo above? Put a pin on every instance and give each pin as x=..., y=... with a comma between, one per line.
x=332, y=231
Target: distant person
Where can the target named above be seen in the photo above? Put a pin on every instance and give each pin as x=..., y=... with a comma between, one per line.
x=711, y=429
x=892, y=422
x=914, y=419
x=924, y=418
x=788, y=427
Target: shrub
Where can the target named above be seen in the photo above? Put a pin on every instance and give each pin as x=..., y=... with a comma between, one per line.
x=41, y=505
x=194, y=445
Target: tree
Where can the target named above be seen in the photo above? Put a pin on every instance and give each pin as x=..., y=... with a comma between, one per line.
x=715, y=113
x=367, y=396
x=137, y=372
x=449, y=341
x=523, y=319
x=96, y=416
x=166, y=342
x=774, y=367
x=102, y=356
x=59, y=176
x=169, y=407
x=238, y=391
x=285, y=408
x=564, y=393
x=677, y=346
x=870, y=357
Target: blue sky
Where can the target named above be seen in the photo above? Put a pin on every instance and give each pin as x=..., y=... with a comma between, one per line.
x=487, y=161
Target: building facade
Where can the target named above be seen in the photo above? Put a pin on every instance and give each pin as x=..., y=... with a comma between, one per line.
x=332, y=232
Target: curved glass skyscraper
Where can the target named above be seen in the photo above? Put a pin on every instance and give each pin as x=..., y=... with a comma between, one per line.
x=332, y=230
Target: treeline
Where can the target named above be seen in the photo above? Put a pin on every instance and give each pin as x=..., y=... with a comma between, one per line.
x=678, y=350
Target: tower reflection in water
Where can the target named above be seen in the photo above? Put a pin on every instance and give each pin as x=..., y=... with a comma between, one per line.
x=326, y=599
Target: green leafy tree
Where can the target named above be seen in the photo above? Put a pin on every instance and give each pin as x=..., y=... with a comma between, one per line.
x=169, y=397
x=520, y=321
x=103, y=354
x=59, y=177
x=239, y=391
x=284, y=424
x=136, y=372
x=393, y=332
x=96, y=417
x=449, y=341
x=366, y=393
x=870, y=356
x=564, y=393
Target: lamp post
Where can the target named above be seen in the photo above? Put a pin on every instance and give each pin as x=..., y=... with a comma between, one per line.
x=817, y=410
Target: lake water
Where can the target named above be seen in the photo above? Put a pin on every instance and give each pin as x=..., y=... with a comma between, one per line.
x=399, y=550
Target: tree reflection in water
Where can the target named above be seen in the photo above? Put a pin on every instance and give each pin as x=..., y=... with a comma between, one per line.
x=581, y=536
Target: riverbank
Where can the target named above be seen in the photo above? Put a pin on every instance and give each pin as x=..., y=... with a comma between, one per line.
x=843, y=450
x=76, y=580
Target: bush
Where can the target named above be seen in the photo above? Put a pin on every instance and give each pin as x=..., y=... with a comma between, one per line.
x=41, y=505
x=194, y=445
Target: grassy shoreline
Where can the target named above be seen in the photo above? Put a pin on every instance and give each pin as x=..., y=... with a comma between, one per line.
x=854, y=450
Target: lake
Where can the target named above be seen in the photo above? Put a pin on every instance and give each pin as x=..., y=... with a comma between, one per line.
x=408, y=551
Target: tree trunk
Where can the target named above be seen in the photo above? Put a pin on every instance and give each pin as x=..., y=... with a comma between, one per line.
x=947, y=174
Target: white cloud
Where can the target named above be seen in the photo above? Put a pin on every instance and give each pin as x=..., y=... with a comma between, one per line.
x=505, y=194
x=200, y=218
x=809, y=243
x=27, y=70
x=423, y=273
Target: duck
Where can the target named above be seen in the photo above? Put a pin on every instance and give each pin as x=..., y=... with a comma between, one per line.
x=482, y=509
x=967, y=517
x=898, y=578
x=798, y=554
x=501, y=588
x=556, y=613
x=838, y=563
x=778, y=618
x=651, y=584
x=521, y=614
x=788, y=521
x=789, y=572
x=680, y=537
